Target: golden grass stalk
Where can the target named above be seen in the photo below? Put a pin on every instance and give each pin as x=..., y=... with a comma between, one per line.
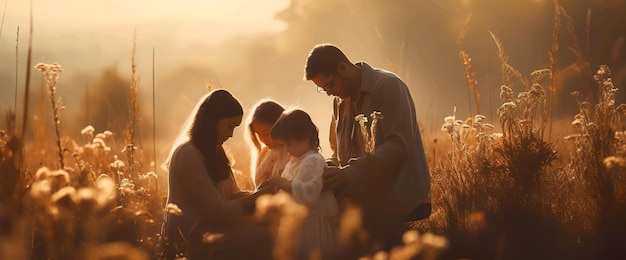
x=3, y=15
x=588, y=32
x=17, y=43
x=553, y=56
x=470, y=74
x=506, y=69
x=51, y=73
x=134, y=107
x=28, y=62
x=154, y=123
x=577, y=50
x=11, y=179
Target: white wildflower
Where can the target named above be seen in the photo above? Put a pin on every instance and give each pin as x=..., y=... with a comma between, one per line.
x=211, y=238
x=106, y=188
x=107, y=134
x=88, y=131
x=173, y=209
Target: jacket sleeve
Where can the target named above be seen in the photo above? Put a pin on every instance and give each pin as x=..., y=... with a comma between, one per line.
x=395, y=130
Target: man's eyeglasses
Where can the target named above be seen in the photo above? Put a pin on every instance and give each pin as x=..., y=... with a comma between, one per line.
x=328, y=86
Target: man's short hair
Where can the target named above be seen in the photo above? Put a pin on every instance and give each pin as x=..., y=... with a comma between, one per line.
x=323, y=59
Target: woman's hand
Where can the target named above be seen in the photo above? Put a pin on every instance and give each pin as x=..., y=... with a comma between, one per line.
x=281, y=183
x=266, y=187
x=264, y=184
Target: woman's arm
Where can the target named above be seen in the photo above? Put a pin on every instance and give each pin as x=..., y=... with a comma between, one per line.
x=197, y=192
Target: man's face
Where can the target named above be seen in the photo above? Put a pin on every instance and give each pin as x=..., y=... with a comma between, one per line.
x=333, y=84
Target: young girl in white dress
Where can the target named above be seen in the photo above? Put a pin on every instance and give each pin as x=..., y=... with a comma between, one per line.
x=268, y=157
x=302, y=178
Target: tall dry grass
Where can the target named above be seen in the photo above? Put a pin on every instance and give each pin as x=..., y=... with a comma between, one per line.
x=515, y=194
x=521, y=194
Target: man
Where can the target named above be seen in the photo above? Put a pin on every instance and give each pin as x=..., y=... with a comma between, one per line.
x=396, y=175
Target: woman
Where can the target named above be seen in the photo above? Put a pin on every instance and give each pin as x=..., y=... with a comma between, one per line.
x=202, y=185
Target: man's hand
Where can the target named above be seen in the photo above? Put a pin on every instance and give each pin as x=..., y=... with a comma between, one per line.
x=334, y=178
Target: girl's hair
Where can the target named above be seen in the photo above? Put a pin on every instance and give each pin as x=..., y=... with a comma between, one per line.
x=265, y=111
x=200, y=129
x=296, y=125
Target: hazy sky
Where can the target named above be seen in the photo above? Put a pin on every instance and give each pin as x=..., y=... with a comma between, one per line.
x=257, y=49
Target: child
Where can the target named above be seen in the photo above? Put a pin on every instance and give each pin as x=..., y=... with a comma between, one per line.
x=268, y=158
x=302, y=178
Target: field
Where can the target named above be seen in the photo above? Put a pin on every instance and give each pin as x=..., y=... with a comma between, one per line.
x=517, y=189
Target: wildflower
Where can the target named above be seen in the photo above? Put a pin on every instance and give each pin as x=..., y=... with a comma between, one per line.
x=575, y=94
x=572, y=137
x=509, y=105
x=87, y=199
x=506, y=93
x=381, y=255
x=577, y=123
x=98, y=143
x=173, y=209
x=107, y=134
x=376, y=116
x=448, y=128
x=585, y=105
x=106, y=189
x=613, y=161
x=211, y=238
x=50, y=71
x=65, y=197
x=351, y=226
x=410, y=236
x=522, y=95
x=129, y=148
x=41, y=189
x=603, y=71
x=369, y=137
x=537, y=75
x=537, y=91
x=151, y=175
x=42, y=173
x=88, y=131
x=434, y=241
x=127, y=185
x=60, y=177
x=116, y=164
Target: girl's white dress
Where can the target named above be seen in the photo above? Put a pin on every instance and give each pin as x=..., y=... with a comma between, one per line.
x=270, y=163
x=319, y=231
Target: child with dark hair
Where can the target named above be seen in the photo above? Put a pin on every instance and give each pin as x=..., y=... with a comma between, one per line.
x=302, y=178
x=268, y=157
